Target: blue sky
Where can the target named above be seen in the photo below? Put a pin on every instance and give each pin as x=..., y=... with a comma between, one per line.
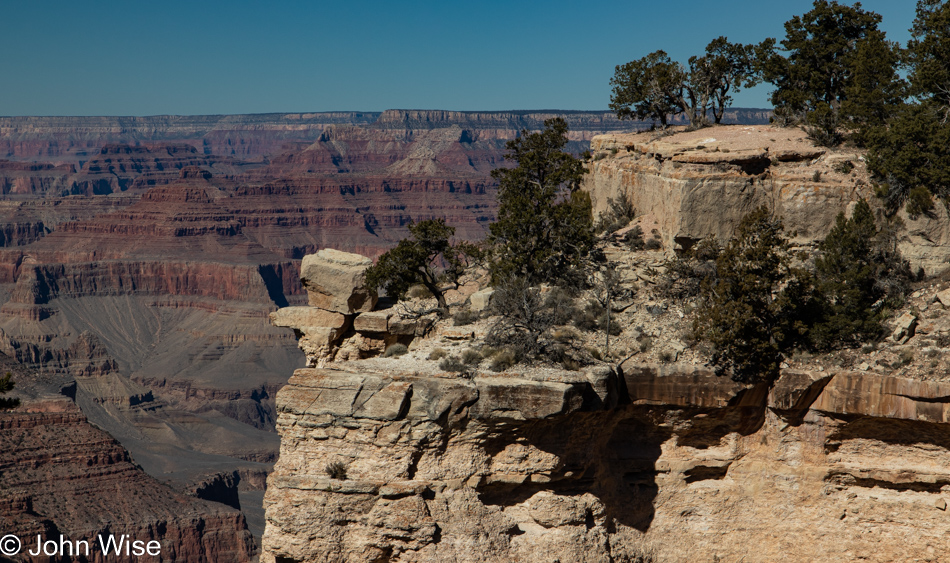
x=144, y=57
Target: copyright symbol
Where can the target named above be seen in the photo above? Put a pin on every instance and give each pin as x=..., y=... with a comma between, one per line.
x=10, y=545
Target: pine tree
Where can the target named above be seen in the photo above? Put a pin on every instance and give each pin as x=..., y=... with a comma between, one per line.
x=544, y=226
x=755, y=303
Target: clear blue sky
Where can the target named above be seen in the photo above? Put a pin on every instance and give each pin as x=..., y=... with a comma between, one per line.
x=143, y=57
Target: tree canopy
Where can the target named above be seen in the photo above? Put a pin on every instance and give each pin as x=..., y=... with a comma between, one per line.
x=753, y=309
x=544, y=226
x=415, y=260
x=910, y=153
x=656, y=87
x=835, y=53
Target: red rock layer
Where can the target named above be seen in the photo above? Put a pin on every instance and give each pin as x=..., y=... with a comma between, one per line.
x=61, y=475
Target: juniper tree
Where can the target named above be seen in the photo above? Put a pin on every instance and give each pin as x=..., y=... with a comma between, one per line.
x=544, y=226
x=415, y=260
x=835, y=52
x=846, y=276
x=911, y=156
x=754, y=304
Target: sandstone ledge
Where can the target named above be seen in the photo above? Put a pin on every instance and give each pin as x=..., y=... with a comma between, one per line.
x=603, y=466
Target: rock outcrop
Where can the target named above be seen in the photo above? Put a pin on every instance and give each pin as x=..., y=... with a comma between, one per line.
x=671, y=464
x=690, y=185
x=340, y=321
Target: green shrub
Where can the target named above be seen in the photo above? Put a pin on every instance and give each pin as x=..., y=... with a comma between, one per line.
x=464, y=317
x=618, y=214
x=471, y=357
x=653, y=244
x=503, y=360
x=336, y=470
x=844, y=167
x=919, y=202
x=570, y=364
x=634, y=238
x=395, y=350
x=453, y=364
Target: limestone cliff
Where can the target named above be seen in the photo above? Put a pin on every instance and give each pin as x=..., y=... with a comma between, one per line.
x=689, y=185
x=653, y=464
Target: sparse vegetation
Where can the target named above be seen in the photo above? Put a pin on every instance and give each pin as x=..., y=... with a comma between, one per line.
x=6, y=385
x=438, y=354
x=395, y=350
x=453, y=364
x=336, y=470
x=619, y=213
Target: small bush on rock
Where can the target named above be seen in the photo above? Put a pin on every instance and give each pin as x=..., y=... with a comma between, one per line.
x=395, y=350
x=471, y=357
x=634, y=238
x=464, y=317
x=438, y=354
x=503, y=360
x=336, y=470
x=453, y=364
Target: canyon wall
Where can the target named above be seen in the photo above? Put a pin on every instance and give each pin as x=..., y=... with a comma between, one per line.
x=652, y=463
x=141, y=257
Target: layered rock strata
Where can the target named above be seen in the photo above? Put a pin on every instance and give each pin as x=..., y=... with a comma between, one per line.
x=340, y=322
x=651, y=464
x=690, y=185
x=61, y=476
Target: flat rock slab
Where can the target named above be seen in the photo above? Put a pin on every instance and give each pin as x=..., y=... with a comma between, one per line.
x=297, y=317
x=374, y=321
x=522, y=399
x=686, y=386
x=883, y=396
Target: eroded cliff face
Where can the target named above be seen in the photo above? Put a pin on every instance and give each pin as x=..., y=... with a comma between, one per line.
x=690, y=185
x=652, y=464
x=63, y=476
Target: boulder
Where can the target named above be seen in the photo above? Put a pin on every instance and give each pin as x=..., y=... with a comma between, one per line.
x=904, y=328
x=336, y=281
x=481, y=299
x=944, y=297
x=398, y=325
x=299, y=317
x=375, y=321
